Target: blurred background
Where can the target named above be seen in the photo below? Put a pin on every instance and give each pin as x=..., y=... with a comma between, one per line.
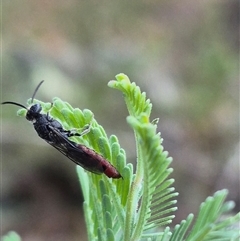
x=183, y=54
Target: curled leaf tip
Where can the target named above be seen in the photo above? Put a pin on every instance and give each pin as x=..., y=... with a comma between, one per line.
x=121, y=79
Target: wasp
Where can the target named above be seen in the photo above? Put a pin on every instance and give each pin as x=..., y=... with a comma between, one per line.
x=54, y=134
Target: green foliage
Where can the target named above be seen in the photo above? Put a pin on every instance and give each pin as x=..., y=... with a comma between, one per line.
x=140, y=205
x=210, y=224
x=11, y=236
x=150, y=200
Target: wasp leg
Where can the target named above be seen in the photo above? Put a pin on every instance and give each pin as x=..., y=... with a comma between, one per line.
x=86, y=129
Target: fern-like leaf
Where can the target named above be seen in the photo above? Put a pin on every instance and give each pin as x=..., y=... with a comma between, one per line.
x=104, y=198
x=150, y=202
x=210, y=223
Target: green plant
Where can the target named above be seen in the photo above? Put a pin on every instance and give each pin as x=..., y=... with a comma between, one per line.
x=140, y=206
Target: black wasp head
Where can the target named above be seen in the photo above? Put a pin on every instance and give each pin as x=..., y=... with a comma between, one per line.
x=33, y=112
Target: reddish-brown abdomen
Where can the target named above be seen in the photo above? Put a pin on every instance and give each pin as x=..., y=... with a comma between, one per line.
x=96, y=163
x=112, y=172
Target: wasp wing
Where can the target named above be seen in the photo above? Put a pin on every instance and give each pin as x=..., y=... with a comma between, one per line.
x=80, y=154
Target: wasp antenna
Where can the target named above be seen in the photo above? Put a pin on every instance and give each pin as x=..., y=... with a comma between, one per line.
x=14, y=103
x=35, y=91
